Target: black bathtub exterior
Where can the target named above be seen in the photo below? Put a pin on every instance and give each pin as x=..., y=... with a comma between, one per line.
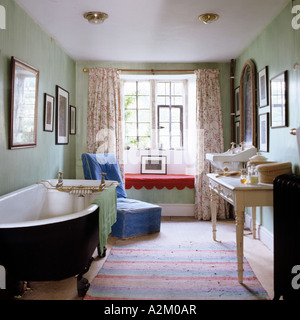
x=50, y=252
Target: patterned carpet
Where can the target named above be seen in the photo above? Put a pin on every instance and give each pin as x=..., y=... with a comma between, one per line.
x=194, y=271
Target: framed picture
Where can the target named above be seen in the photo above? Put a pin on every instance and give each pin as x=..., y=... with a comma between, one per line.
x=264, y=132
x=154, y=164
x=62, y=116
x=24, y=105
x=72, y=120
x=263, y=92
x=237, y=101
x=279, y=100
x=237, y=133
x=48, y=112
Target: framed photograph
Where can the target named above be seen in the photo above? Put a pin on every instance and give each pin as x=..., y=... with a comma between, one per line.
x=154, y=164
x=48, y=112
x=263, y=92
x=279, y=100
x=62, y=116
x=24, y=105
x=72, y=120
x=264, y=132
x=237, y=101
x=237, y=133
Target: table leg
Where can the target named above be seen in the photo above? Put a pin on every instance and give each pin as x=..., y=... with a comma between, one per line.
x=213, y=203
x=240, y=243
x=254, y=222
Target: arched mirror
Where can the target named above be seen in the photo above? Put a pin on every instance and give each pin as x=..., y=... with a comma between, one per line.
x=248, y=103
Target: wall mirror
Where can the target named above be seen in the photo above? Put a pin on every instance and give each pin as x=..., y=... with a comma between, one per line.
x=24, y=102
x=248, y=103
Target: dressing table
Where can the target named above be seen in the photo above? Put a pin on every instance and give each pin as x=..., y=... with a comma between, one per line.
x=240, y=196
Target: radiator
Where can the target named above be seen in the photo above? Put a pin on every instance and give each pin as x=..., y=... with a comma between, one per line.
x=287, y=237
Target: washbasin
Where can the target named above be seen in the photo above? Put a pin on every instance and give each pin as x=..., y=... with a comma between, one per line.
x=233, y=159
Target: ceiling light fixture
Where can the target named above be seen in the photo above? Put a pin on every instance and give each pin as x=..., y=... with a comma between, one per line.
x=95, y=17
x=208, y=17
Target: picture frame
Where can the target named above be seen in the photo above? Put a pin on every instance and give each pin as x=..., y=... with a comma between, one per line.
x=153, y=164
x=72, y=120
x=279, y=100
x=23, y=105
x=264, y=132
x=62, y=116
x=237, y=133
x=48, y=112
x=237, y=101
x=263, y=90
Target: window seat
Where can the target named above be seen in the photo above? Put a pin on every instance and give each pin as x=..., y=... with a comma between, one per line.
x=158, y=181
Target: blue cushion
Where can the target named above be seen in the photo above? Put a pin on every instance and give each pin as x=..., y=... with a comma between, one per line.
x=135, y=218
x=94, y=164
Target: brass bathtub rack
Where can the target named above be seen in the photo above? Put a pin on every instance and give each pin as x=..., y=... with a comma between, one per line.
x=77, y=190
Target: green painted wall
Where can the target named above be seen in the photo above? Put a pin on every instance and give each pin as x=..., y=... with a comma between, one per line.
x=278, y=47
x=82, y=94
x=27, y=41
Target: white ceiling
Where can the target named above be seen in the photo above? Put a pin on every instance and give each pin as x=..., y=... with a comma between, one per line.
x=154, y=30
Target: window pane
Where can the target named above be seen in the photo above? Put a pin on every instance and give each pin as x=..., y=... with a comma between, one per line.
x=131, y=129
x=176, y=129
x=131, y=142
x=163, y=88
x=177, y=88
x=144, y=142
x=162, y=100
x=144, y=129
x=130, y=115
x=130, y=102
x=175, y=114
x=144, y=88
x=164, y=114
x=164, y=143
x=144, y=115
x=130, y=88
x=144, y=102
x=177, y=100
x=164, y=128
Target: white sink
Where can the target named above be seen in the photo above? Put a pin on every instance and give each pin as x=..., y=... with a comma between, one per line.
x=232, y=159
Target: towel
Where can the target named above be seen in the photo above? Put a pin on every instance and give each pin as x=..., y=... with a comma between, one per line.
x=107, y=203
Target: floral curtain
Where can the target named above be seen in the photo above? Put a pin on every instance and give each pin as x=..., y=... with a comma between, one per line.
x=209, y=139
x=104, y=118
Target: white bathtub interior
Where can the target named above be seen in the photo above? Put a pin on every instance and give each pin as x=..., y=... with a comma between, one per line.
x=35, y=203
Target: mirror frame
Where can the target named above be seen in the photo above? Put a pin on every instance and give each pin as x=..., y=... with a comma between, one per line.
x=248, y=110
x=31, y=140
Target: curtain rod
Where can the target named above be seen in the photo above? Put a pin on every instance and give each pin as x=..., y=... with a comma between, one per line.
x=149, y=70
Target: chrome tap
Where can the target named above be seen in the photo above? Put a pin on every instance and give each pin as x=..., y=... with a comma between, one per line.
x=60, y=179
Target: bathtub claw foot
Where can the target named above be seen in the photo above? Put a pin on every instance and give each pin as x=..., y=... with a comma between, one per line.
x=82, y=287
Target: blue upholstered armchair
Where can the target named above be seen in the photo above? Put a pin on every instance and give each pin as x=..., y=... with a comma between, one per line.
x=134, y=217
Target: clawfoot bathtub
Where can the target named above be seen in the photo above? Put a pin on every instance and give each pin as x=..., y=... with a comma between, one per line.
x=46, y=234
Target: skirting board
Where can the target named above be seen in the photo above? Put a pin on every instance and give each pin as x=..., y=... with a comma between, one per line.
x=262, y=233
x=176, y=210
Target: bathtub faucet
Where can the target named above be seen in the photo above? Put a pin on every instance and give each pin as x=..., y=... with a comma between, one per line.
x=102, y=184
x=60, y=179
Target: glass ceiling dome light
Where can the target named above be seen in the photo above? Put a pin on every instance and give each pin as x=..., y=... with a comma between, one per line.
x=95, y=17
x=208, y=17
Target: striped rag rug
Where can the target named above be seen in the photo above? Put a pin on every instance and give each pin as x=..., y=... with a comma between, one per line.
x=193, y=271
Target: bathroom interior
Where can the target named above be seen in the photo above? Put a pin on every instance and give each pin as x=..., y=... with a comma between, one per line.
x=255, y=37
